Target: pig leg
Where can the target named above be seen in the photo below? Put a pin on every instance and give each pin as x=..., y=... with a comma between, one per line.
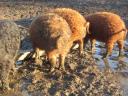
x=4, y=76
x=53, y=63
x=81, y=46
x=121, y=46
x=37, y=56
x=13, y=68
x=52, y=59
x=109, y=47
x=93, y=42
x=63, y=55
x=86, y=39
x=62, y=61
x=5, y=83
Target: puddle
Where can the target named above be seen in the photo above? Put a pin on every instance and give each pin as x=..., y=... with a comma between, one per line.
x=117, y=65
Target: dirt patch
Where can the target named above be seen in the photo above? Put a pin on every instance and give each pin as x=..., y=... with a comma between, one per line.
x=82, y=78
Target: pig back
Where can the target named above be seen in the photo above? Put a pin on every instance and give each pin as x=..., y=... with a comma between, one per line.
x=48, y=30
x=103, y=25
x=9, y=39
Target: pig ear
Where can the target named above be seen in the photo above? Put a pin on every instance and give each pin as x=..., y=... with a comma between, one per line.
x=87, y=28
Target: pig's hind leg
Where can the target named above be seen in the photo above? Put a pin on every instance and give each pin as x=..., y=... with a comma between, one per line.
x=121, y=47
x=37, y=56
x=93, y=42
x=109, y=47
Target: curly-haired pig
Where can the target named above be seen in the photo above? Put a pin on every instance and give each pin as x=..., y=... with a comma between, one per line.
x=50, y=32
x=78, y=24
x=106, y=27
x=9, y=45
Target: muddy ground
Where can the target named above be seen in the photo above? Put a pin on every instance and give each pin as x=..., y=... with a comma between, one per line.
x=82, y=77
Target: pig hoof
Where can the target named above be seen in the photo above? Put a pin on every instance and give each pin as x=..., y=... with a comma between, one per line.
x=38, y=61
x=52, y=70
x=93, y=51
x=81, y=54
x=63, y=69
x=121, y=54
x=6, y=87
x=105, y=56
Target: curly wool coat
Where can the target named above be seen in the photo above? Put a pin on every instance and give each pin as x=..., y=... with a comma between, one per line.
x=51, y=33
x=79, y=26
x=107, y=27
